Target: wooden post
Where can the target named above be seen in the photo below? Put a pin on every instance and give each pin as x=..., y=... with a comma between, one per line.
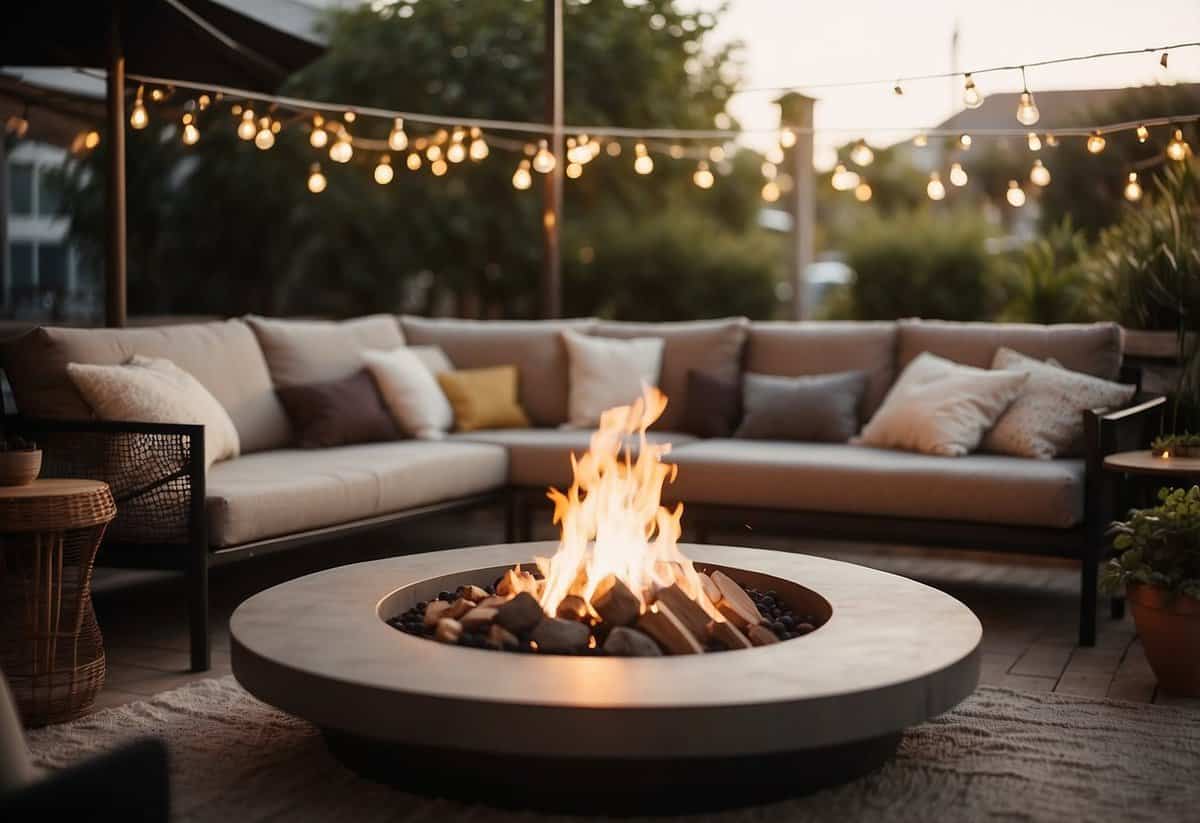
x=796, y=111
x=551, y=285
x=114, y=272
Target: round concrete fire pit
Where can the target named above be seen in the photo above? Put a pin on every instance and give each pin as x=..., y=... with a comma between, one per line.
x=602, y=733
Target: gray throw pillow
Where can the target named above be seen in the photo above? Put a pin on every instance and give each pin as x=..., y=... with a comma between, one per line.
x=817, y=408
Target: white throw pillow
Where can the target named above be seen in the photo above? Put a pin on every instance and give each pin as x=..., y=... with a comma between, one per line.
x=155, y=390
x=941, y=407
x=1046, y=419
x=607, y=372
x=411, y=392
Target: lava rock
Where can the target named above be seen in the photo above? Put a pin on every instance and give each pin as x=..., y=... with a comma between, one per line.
x=520, y=614
x=626, y=642
x=557, y=636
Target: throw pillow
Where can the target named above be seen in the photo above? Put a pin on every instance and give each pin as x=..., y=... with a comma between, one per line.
x=155, y=390
x=433, y=358
x=337, y=412
x=1046, y=419
x=941, y=407
x=713, y=405
x=820, y=408
x=410, y=392
x=484, y=398
x=607, y=373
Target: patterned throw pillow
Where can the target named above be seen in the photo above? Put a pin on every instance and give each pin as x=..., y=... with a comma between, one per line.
x=1046, y=419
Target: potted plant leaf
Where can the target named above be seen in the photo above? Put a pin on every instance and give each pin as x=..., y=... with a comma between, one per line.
x=20, y=461
x=1158, y=565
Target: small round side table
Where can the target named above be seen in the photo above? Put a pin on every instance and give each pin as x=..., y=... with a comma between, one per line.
x=1145, y=464
x=51, y=650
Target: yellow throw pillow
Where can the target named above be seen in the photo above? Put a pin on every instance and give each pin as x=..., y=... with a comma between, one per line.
x=484, y=398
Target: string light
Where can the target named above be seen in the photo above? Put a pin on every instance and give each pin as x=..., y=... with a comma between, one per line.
x=643, y=163
x=897, y=90
x=862, y=192
x=544, y=161
x=1133, y=189
x=921, y=141
x=972, y=99
x=614, y=149
x=91, y=140
x=1027, y=110
x=433, y=153
x=1051, y=140
x=843, y=179
x=787, y=138
x=861, y=154
x=203, y=101
x=521, y=178
x=1039, y=175
x=958, y=175
x=413, y=161
x=770, y=191
x=384, y=171
x=574, y=170
x=1143, y=134
x=246, y=129
x=769, y=170
x=341, y=151
x=319, y=137
x=702, y=177
x=774, y=155
x=439, y=167
x=716, y=154
x=1096, y=142
x=191, y=134
x=397, y=139
x=316, y=180
x=479, y=147
x=676, y=151
x=1035, y=143
x=138, y=117
x=1162, y=61
x=265, y=138
x=1015, y=194
x=1178, y=149
x=964, y=141
x=457, y=151
x=157, y=95
x=349, y=116
x=935, y=188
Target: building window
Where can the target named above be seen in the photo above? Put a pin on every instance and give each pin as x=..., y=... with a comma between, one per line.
x=53, y=265
x=49, y=201
x=20, y=188
x=21, y=259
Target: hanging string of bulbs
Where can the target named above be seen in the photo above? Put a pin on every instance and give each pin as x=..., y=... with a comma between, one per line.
x=451, y=141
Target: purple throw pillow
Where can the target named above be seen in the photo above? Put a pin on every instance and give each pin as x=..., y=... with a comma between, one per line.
x=337, y=413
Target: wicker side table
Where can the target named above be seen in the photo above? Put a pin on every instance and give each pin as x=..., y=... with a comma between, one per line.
x=51, y=650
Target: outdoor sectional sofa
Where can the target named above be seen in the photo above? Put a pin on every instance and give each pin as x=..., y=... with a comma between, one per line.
x=174, y=514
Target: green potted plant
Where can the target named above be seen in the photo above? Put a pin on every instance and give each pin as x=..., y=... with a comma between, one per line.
x=20, y=461
x=1158, y=565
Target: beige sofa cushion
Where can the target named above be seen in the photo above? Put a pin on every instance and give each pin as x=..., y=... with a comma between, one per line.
x=789, y=349
x=535, y=347
x=300, y=352
x=223, y=356
x=713, y=346
x=1091, y=348
x=847, y=479
x=542, y=457
x=291, y=490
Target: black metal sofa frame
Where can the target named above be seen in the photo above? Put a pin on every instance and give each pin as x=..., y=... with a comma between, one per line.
x=161, y=520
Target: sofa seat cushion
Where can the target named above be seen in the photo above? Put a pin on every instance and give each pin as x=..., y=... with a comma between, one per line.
x=542, y=457
x=290, y=490
x=847, y=479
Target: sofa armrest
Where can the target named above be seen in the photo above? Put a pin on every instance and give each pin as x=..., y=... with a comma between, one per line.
x=156, y=472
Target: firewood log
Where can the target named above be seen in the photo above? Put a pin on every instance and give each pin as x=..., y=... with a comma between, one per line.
x=615, y=603
x=728, y=635
x=736, y=605
x=668, y=631
x=448, y=630
x=689, y=612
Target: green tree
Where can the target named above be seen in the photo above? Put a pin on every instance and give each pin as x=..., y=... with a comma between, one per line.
x=1047, y=281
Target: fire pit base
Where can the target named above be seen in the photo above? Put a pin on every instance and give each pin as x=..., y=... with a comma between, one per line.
x=612, y=786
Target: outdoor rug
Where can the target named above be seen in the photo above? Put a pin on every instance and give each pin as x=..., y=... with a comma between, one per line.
x=1000, y=755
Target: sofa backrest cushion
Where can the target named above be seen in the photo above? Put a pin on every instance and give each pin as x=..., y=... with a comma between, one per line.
x=712, y=346
x=791, y=349
x=1091, y=348
x=535, y=347
x=223, y=356
x=303, y=352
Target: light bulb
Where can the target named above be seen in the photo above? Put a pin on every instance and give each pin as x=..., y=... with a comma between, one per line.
x=643, y=164
x=544, y=162
x=898, y=90
x=1178, y=149
x=413, y=161
x=862, y=192
x=316, y=180
x=91, y=139
x=276, y=127
x=958, y=175
x=384, y=171
x=787, y=138
x=1015, y=194
x=676, y=151
x=191, y=134
x=479, y=148
x=972, y=99
x=398, y=140
x=613, y=149
x=1133, y=189
x=574, y=170
x=769, y=170
x=1039, y=175
x=702, y=177
x=1035, y=142
x=341, y=151
x=319, y=137
x=843, y=179
x=1162, y=61
x=457, y=152
x=861, y=154
x=1095, y=142
x=246, y=128
x=1143, y=134
x=265, y=138
x=920, y=141
x=433, y=153
x=1027, y=110
x=935, y=188
x=1051, y=140
x=349, y=117
x=770, y=191
x=716, y=154
x=138, y=117
x=438, y=167
x=774, y=155
x=964, y=140
x=203, y=101
x=521, y=178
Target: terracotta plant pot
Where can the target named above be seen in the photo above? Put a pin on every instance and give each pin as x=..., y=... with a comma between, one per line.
x=1170, y=633
x=20, y=468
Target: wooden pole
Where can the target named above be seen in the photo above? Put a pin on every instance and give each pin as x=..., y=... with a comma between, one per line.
x=796, y=111
x=551, y=285
x=114, y=272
